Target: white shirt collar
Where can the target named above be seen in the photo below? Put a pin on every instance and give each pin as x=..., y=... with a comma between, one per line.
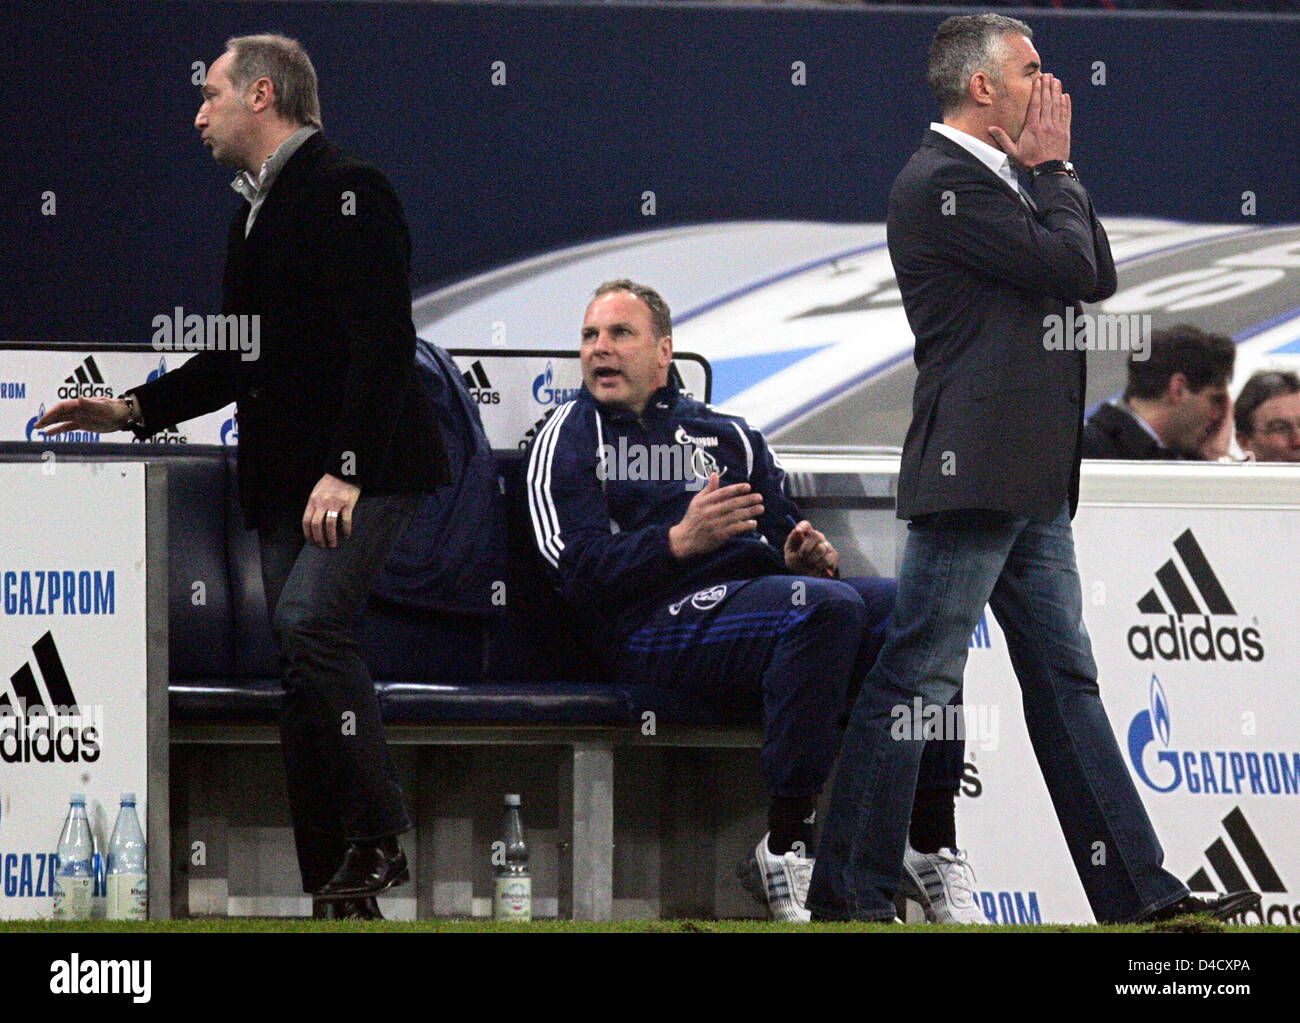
x=992, y=158
x=1124, y=406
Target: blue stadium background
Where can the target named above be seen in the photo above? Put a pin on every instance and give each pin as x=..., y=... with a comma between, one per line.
x=602, y=103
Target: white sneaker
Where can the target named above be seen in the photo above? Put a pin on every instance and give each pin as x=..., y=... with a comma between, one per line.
x=779, y=882
x=944, y=885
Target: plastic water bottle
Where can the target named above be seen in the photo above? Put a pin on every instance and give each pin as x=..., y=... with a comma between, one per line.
x=97, y=902
x=74, y=880
x=128, y=873
x=513, y=891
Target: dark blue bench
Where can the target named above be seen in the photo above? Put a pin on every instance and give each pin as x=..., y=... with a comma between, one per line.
x=522, y=667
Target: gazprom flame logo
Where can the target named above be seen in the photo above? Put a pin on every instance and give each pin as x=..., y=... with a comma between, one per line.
x=1146, y=726
x=1160, y=710
x=546, y=394
x=160, y=371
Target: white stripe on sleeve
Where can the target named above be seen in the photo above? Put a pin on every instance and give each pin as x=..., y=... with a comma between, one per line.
x=541, y=505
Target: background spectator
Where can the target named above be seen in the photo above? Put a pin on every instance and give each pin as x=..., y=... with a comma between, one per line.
x=1268, y=416
x=1175, y=404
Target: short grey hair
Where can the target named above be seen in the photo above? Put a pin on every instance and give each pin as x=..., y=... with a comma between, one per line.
x=966, y=44
x=660, y=318
x=286, y=64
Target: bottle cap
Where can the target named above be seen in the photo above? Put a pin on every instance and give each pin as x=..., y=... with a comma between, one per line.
x=512, y=799
x=78, y=799
x=128, y=797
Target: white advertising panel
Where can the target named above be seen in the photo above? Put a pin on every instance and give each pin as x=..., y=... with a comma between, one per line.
x=516, y=390
x=34, y=380
x=1190, y=605
x=73, y=654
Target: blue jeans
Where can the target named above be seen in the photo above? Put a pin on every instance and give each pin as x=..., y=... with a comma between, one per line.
x=342, y=781
x=954, y=564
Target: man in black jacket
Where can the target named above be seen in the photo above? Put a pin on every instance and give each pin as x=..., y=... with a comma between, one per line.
x=1175, y=403
x=336, y=437
x=993, y=241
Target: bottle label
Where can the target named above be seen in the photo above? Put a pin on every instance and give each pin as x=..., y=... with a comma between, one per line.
x=72, y=897
x=128, y=897
x=513, y=898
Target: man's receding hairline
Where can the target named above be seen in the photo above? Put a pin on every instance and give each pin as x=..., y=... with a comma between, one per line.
x=644, y=304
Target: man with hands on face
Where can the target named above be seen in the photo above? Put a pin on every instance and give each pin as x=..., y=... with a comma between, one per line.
x=337, y=439
x=991, y=233
x=668, y=528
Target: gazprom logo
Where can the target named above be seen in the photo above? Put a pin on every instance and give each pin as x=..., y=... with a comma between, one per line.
x=230, y=431
x=546, y=394
x=1204, y=772
x=1142, y=732
x=154, y=374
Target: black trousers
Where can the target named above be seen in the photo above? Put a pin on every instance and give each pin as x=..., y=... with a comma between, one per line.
x=342, y=781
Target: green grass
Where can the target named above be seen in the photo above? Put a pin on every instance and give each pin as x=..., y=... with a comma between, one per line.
x=263, y=925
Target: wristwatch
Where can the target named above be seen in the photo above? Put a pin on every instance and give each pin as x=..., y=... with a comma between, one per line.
x=1055, y=167
x=132, y=411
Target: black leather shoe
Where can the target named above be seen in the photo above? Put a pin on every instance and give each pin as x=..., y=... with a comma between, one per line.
x=346, y=909
x=367, y=870
x=1223, y=908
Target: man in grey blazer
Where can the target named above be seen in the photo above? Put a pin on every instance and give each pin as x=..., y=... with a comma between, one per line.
x=991, y=234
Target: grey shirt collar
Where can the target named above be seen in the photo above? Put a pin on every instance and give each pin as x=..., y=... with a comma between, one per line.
x=255, y=189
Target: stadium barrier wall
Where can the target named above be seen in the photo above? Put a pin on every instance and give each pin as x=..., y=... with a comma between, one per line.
x=83, y=636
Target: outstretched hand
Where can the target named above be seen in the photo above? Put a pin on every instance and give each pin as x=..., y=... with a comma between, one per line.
x=95, y=415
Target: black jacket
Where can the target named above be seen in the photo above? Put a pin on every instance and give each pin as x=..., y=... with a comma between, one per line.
x=996, y=415
x=326, y=267
x=1111, y=432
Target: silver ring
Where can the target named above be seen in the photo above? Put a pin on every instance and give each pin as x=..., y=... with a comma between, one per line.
x=329, y=513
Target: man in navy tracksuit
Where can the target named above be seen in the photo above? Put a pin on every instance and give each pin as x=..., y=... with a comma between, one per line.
x=668, y=525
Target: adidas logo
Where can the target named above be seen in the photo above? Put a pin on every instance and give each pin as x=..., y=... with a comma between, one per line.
x=1231, y=871
x=1176, y=592
x=1226, y=867
x=476, y=379
x=532, y=430
x=1183, y=638
x=38, y=727
x=85, y=382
